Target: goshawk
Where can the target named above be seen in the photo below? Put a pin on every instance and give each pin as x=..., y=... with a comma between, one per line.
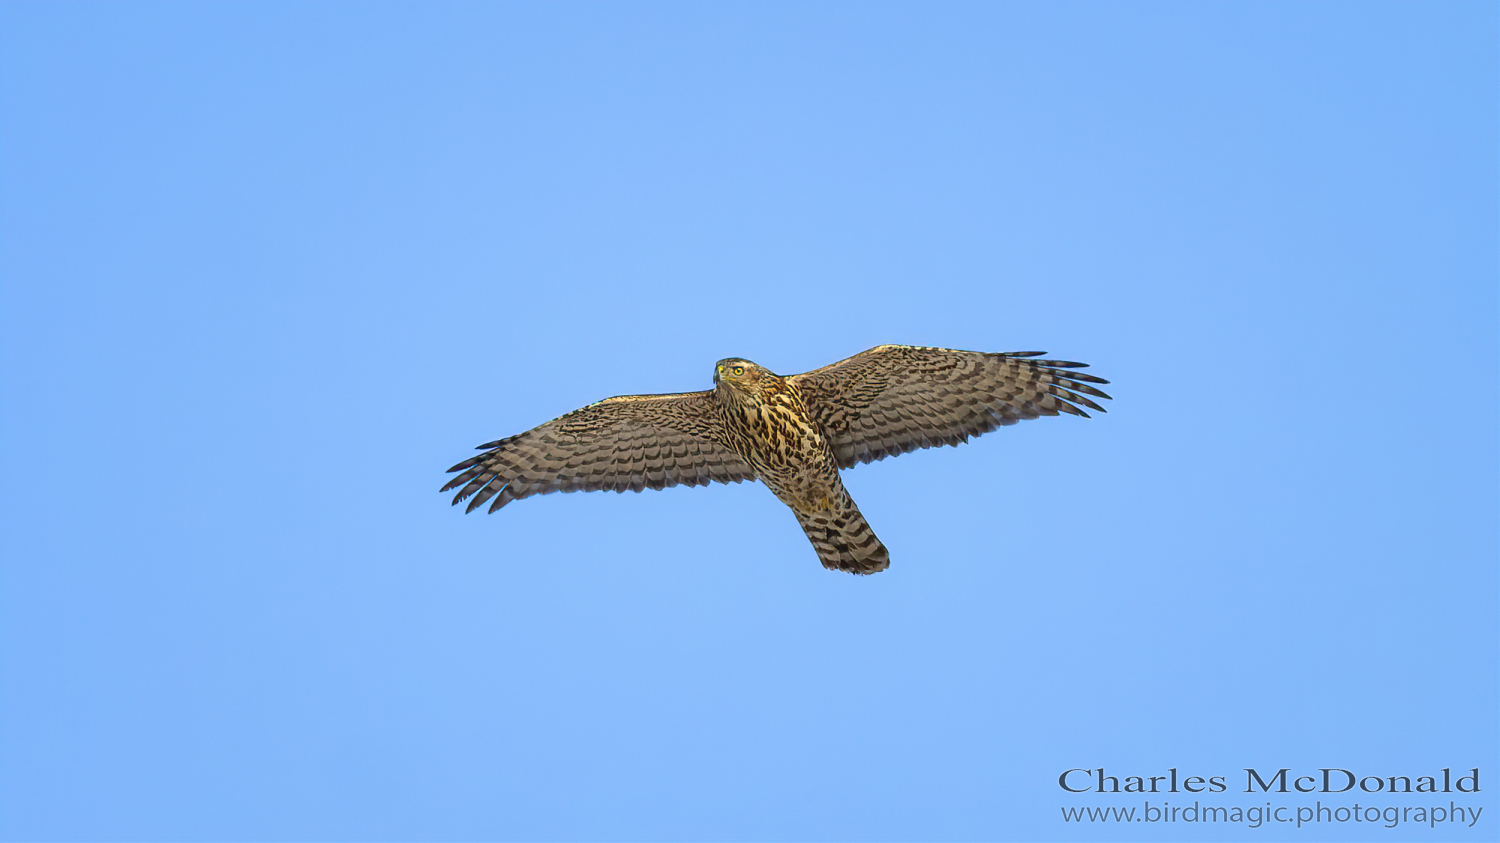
x=792, y=433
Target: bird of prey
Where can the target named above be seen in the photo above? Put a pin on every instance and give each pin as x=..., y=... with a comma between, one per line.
x=791, y=433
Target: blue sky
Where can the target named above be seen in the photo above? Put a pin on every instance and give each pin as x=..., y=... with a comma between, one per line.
x=266, y=270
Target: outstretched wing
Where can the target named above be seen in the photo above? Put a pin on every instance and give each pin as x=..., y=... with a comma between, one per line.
x=629, y=442
x=898, y=398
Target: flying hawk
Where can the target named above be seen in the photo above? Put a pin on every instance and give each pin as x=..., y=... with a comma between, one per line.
x=791, y=433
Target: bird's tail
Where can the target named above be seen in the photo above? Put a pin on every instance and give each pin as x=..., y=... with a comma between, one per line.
x=843, y=538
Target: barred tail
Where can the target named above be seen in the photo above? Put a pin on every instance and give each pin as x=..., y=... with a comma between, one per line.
x=843, y=538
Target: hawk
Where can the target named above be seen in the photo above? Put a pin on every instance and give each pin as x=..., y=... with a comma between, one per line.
x=791, y=433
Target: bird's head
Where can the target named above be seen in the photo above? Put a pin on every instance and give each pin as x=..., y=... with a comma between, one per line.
x=739, y=375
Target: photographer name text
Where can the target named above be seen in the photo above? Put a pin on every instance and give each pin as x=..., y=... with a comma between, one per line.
x=1284, y=780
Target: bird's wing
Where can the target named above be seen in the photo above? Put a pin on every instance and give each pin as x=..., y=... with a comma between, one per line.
x=629, y=442
x=898, y=398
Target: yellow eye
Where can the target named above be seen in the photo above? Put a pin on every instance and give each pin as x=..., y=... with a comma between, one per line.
x=739, y=370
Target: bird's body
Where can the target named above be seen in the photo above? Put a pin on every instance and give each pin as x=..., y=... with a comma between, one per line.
x=791, y=433
x=770, y=427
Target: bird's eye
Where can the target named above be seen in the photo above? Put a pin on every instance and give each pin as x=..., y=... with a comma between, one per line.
x=739, y=370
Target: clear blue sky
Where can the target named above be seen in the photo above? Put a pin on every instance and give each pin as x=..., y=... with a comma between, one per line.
x=269, y=269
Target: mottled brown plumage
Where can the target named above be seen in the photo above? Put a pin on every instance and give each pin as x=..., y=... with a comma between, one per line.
x=791, y=433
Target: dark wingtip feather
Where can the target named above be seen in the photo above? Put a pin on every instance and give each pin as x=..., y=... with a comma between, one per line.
x=489, y=491
x=1083, y=388
x=506, y=496
x=485, y=492
x=466, y=464
x=1069, y=395
x=1080, y=376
